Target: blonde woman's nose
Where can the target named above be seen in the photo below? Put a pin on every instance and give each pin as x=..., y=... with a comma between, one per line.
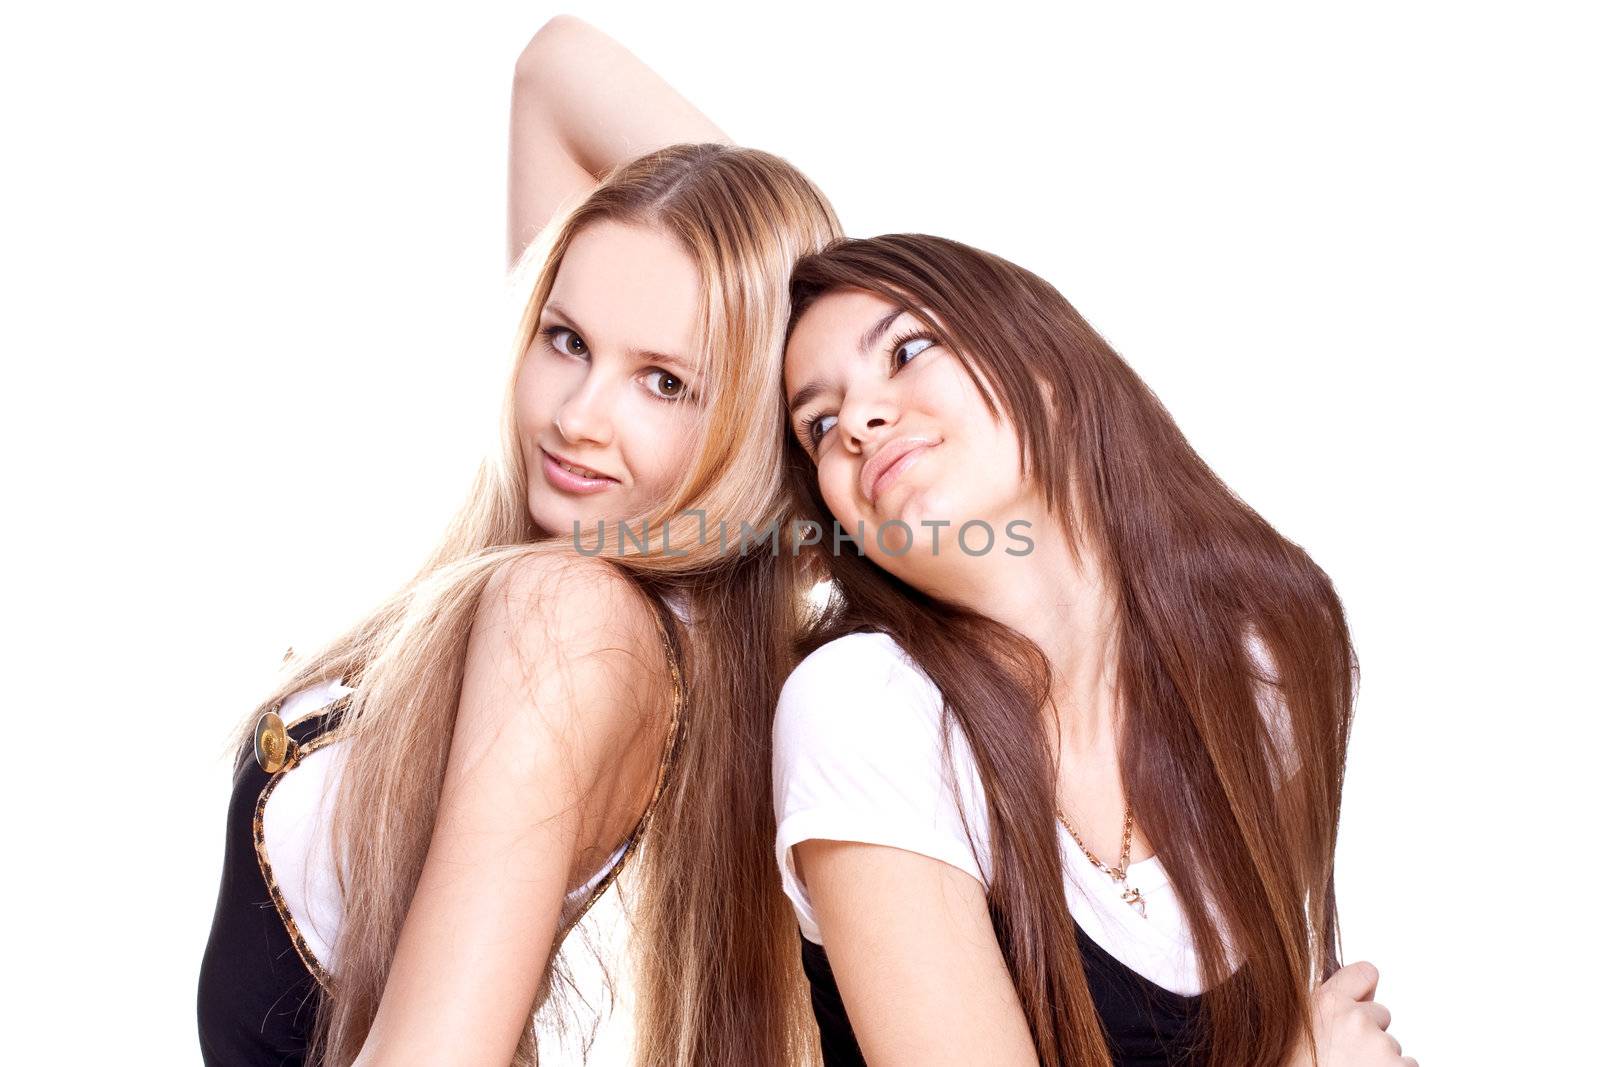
x=586, y=416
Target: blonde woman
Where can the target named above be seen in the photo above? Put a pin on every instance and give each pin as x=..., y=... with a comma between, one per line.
x=430, y=803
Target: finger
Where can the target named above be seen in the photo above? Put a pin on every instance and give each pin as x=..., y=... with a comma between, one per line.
x=1355, y=981
x=1371, y=990
x=1377, y=1013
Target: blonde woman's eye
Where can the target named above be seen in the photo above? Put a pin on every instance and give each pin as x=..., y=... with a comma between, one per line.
x=553, y=338
x=667, y=386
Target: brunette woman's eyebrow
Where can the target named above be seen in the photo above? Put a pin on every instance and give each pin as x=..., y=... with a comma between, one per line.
x=812, y=389
x=876, y=331
x=642, y=354
x=808, y=392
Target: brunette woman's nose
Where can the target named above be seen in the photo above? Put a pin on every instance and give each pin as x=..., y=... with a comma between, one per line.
x=867, y=415
x=873, y=427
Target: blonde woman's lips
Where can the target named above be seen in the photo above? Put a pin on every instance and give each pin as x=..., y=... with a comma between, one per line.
x=569, y=481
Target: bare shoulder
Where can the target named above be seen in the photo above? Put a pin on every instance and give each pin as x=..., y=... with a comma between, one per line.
x=567, y=645
x=551, y=763
x=585, y=600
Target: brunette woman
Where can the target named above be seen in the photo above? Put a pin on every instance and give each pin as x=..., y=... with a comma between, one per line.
x=1058, y=778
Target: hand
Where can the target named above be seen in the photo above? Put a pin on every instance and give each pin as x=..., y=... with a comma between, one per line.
x=1350, y=1028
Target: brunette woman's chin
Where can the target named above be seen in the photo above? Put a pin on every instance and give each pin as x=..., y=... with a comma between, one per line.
x=927, y=509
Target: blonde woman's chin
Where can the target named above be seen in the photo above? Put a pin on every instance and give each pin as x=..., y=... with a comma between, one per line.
x=553, y=520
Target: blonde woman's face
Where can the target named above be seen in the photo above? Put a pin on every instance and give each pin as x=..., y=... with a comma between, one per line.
x=863, y=380
x=608, y=383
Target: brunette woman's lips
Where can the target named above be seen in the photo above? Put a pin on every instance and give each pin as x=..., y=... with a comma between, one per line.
x=564, y=480
x=892, y=472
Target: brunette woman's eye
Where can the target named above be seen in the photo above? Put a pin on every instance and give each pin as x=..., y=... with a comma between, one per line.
x=552, y=338
x=812, y=431
x=906, y=343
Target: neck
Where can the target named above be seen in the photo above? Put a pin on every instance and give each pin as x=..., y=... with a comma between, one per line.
x=1063, y=606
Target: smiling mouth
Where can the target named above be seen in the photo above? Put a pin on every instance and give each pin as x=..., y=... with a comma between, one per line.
x=583, y=472
x=887, y=476
x=572, y=468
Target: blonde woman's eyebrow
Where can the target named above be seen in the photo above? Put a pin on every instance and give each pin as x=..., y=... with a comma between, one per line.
x=643, y=355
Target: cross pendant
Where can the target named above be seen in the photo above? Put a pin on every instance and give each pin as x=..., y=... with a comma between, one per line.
x=1131, y=895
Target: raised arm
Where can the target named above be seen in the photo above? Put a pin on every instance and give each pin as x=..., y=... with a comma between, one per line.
x=581, y=103
x=554, y=754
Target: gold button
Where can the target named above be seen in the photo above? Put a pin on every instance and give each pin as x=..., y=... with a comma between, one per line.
x=272, y=743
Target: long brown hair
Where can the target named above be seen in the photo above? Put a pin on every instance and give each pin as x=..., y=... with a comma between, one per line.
x=1195, y=574
x=717, y=972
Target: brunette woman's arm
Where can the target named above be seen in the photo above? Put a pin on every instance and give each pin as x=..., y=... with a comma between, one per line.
x=581, y=103
x=912, y=947
x=877, y=860
x=554, y=754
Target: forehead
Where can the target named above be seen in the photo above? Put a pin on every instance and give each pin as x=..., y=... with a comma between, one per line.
x=630, y=285
x=829, y=333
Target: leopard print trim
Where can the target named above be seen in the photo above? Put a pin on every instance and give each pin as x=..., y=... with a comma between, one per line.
x=297, y=752
x=669, y=643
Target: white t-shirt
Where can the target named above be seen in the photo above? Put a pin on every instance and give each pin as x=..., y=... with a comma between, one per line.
x=296, y=829
x=857, y=756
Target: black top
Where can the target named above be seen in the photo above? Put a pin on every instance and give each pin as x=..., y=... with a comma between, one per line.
x=260, y=985
x=1146, y=1025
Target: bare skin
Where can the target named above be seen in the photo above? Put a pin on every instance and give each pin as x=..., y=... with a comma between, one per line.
x=549, y=765
x=563, y=712
x=582, y=104
x=910, y=939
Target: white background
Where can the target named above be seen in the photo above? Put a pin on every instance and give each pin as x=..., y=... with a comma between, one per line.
x=254, y=336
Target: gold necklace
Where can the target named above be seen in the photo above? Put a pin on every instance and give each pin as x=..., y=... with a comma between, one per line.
x=1118, y=873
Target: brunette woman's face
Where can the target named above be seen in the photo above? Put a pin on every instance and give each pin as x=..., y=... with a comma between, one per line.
x=898, y=430
x=607, y=384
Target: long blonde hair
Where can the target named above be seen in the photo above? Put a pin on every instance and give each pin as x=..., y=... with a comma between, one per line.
x=716, y=967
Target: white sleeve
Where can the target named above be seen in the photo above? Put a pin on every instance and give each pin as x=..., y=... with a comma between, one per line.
x=857, y=756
